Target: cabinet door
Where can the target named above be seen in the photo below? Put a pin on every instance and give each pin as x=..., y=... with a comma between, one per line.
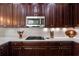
x=76, y=14
x=53, y=51
x=4, y=50
x=36, y=9
x=57, y=15
x=16, y=51
x=52, y=10
x=47, y=20
x=61, y=15
x=18, y=15
x=5, y=15
x=66, y=48
x=65, y=51
x=76, y=49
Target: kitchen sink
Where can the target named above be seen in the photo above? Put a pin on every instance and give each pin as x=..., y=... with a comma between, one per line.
x=35, y=38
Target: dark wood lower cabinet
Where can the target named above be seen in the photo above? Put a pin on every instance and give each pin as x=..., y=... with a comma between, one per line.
x=66, y=52
x=45, y=48
x=42, y=48
x=4, y=50
x=76, y=49
x=16, y=51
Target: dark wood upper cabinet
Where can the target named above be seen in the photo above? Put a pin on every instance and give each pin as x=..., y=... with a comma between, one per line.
x=61, y=15
x=56, y=14
x=5, y=15
x=34, y=9
x=19, y=15
x=76, y=14
x=12, y=15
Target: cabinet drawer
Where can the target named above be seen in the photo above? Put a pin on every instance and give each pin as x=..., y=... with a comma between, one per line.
x=35, y=43
x=66, y=43
x=44, y=44
x=16, y=43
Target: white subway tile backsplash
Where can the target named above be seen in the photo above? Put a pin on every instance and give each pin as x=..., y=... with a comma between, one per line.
x=12, y=32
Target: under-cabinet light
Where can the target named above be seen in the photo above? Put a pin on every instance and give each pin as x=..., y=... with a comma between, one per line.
x=52, y=29
x=64, y=29
x=57, y=29
x=45, y=29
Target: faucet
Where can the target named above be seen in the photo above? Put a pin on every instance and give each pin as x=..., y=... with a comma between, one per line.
x=20, y=33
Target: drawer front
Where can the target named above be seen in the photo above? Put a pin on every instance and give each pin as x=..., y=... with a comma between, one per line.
x=16, y=43
x=66, y=43
x=40, y=43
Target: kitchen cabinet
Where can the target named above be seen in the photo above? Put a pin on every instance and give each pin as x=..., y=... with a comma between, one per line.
x=66, y=48
x=42, y=48
x=4, y=50
x=61, y=16
x=76, y=14
x=5, y=15
x=15, y=48
x=46, y=14
x=76, y=49
x=34, y=9
x=18, y=15
x=12, y=15
x=56, y=14
x=16, y=51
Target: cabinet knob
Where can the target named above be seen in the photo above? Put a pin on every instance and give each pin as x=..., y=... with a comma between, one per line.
x=34, y=48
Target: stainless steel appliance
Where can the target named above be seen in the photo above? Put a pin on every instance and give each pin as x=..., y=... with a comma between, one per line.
x=35, y=21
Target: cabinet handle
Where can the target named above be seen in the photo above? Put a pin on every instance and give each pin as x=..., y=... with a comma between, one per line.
x=27, y=48
x=34, y=48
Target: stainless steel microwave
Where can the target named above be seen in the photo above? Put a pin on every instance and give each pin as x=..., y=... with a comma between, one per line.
x=35, y=21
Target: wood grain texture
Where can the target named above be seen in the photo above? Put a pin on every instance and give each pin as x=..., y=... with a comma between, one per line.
x=56, y=14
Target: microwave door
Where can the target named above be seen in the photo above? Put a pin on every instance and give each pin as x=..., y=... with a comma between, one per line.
x=33, y=22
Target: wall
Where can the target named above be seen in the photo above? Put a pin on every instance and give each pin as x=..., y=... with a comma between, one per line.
x=7, y=34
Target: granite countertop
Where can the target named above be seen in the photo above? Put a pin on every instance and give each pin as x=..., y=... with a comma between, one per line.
x=4, y=40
